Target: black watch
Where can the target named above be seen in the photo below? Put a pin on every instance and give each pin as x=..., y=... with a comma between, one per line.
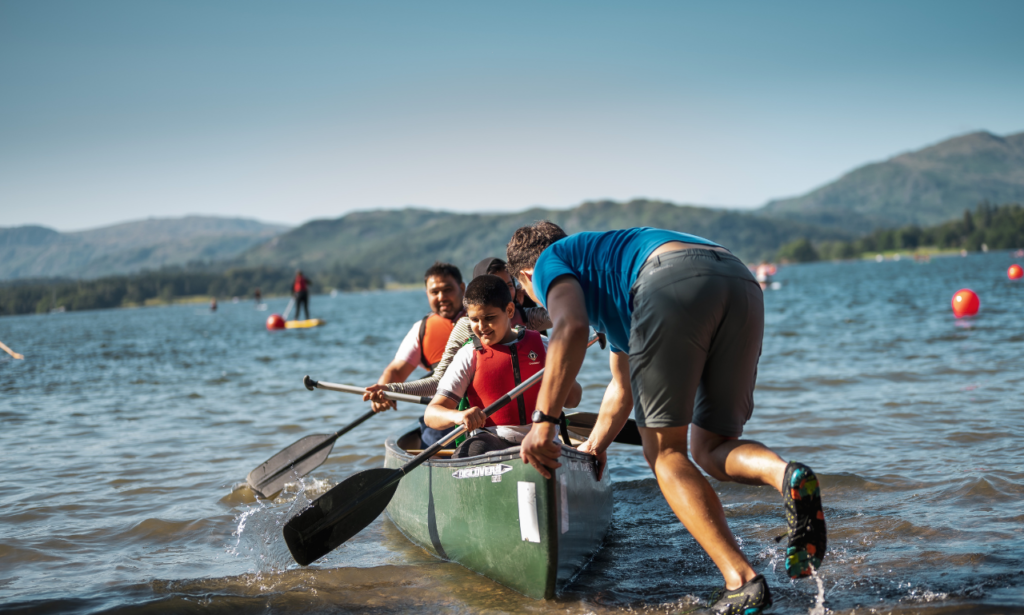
x=540, y=417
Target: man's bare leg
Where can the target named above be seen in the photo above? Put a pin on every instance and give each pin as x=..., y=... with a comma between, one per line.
x=694, y=502
x=734, y=460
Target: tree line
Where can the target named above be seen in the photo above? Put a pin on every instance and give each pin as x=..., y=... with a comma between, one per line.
x=167, y=285
x=995, y=227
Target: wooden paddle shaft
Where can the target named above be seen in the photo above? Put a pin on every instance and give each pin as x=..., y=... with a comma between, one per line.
x=348, y=388
x=10, y=352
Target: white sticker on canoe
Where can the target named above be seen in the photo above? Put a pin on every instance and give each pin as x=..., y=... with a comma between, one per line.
x=529, y=529
x=494, y=471
x=563, y=487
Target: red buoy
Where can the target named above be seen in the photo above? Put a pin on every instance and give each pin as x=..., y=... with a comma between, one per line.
x=965, y=303
x=275, y=321
x=1015, y=272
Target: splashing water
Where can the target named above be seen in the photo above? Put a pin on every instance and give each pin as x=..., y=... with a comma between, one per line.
x=819, y=599
x=258, y=529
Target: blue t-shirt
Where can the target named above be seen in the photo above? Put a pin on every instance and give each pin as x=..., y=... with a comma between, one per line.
x=606, y=265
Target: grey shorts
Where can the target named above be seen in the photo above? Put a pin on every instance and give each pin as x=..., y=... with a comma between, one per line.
x=695, y=339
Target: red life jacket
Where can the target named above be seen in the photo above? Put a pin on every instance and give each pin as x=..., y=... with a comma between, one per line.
x=300, y=284
x=434, y=332
x=499, y=369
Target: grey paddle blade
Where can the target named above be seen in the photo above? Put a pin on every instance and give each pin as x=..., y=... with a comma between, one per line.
x=299, y=459
x=583, y=423
x=340, y=514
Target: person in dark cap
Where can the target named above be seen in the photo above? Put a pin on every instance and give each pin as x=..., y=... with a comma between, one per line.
x=495, y=266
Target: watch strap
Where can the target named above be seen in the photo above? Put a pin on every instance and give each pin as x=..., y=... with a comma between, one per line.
x=540, y=417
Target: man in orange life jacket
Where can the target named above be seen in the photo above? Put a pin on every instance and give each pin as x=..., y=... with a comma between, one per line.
x=425, y=342
x=508, y=357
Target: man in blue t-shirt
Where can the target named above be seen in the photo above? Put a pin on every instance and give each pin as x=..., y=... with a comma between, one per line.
x=685, y=320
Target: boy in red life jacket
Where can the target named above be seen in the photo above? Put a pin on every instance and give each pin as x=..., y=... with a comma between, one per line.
x=508, y=357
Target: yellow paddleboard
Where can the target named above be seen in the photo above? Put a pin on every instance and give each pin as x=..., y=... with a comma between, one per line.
x=304, y=324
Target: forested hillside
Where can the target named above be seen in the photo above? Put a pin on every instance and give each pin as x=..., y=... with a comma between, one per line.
x=986, y=227
x=400, y=245
x=923, y=187
x=165, y=286
x=40, y=252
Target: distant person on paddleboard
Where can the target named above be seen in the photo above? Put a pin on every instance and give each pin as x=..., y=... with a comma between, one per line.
x=300, y=290
x=259, y=296
x=500, y=358
x=685, y=319
x=535, y=319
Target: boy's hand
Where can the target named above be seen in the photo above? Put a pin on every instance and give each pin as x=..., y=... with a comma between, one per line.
x=375, y=393
x=474, y=418
x=602, y=457
x=539, y=450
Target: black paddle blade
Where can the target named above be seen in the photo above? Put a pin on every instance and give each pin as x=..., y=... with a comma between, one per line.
x=340, y=514
x=299, y=459
x=583, y=423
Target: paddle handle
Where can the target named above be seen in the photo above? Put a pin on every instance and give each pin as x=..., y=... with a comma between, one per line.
x=488, y=411
x=348, y=388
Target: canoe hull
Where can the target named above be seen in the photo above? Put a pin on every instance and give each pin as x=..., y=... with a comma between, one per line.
x=497, y=516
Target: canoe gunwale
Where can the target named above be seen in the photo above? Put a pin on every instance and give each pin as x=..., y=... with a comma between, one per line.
x=508, y=454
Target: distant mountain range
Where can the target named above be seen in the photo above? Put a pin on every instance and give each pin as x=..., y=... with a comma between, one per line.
x=401, y=244
x=924, y=187
x=37, y=251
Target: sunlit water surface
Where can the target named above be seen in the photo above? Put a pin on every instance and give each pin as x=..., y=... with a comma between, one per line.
x=126, y=435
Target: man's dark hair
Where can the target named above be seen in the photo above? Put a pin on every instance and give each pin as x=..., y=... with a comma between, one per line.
x=488, y=290
x=440, y=269
x=528, y=242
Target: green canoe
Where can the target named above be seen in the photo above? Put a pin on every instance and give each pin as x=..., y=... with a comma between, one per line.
x=497, y=516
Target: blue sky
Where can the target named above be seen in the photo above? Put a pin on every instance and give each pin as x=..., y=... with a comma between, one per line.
x=290, y=111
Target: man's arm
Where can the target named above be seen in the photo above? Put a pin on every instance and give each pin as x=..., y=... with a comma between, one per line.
x=615, y=409
x=566, y=350
x=396, y=371
x=575, y=396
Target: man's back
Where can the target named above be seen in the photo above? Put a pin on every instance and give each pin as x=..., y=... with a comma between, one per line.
x=606, y=265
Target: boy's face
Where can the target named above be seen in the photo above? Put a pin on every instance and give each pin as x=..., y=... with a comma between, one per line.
x=492, y=325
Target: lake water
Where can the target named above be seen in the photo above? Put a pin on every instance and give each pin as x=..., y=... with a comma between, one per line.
x=126, y=434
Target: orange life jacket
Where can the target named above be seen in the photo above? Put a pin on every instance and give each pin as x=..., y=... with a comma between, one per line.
x=434, y=332
x=499, y=369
